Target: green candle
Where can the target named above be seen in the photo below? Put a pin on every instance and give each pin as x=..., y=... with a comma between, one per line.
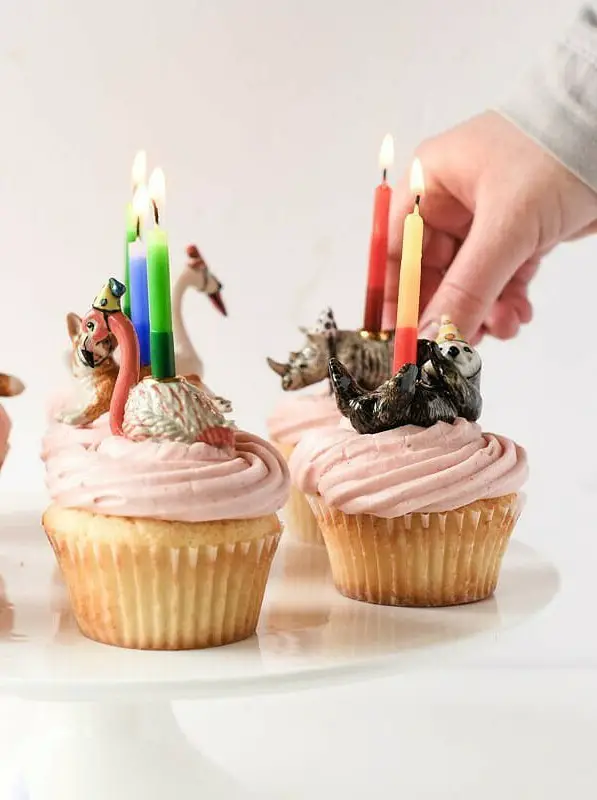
x=131, y=236
x=160, y=308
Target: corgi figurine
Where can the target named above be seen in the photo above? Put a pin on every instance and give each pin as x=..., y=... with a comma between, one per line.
x=95, y=377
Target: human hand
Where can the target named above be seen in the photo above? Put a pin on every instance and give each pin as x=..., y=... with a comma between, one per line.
x=495, y=203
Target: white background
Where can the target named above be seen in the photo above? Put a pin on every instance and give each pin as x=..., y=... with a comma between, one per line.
x=267, y=119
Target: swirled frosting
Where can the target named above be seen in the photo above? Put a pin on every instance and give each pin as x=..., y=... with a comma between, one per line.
x=298, y=413
x=61, y=436
x=4, y=433
x=171, y=480
x=408, y=469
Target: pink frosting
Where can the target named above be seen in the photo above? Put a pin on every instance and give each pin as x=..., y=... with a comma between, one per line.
x=171, y=480
x=408, y=469
x=4, y=433
x=298, y=413
x=60, y=436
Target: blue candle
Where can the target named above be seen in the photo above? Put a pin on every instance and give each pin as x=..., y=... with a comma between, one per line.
x=139, y=297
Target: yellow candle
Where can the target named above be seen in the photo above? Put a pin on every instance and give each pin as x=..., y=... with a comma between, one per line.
x=407, y=319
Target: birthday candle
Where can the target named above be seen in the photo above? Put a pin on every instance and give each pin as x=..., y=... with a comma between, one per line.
x=138, y=174
x=158, y=278
x=407, y=318
x=137, y=289
x=378, y=250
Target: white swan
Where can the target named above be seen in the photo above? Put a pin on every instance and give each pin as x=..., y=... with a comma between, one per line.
x=195, y=275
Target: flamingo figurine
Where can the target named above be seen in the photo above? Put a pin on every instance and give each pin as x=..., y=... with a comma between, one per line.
x=172, y=410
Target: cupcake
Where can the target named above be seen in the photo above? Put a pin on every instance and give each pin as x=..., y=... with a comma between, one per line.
x=294, y=416
x=302, y=412
x=164, y=530
x=9, y=387
x=415, y=503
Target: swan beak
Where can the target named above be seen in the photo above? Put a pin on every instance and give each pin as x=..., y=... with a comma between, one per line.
x=216, y=299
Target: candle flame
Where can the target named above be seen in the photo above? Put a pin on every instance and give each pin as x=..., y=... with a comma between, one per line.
x=417, y=181
x=157, y=186
x=386, y=153
x=141, y=202
x=139, y=170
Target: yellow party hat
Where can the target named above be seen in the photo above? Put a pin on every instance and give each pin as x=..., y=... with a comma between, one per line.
x=448, y=332
x=109, y=297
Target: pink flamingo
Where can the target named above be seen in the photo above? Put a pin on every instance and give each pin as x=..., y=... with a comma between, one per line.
x=173, y=410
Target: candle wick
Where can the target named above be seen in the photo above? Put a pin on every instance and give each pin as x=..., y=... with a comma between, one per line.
x=156, y=213
x=138, y=227
x=384, y=175
x=417, y=203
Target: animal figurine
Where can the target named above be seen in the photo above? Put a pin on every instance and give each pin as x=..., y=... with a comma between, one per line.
x=196, y=275
x=10, y=386
x=368, y=358
x=95, y=376
x=172, y=410
x=95, y=381
x=441, y=386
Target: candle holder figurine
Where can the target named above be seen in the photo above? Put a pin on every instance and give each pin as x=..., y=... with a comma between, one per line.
x=171, y=409
x=367, y=355
x=96, y=370
x=441, y=386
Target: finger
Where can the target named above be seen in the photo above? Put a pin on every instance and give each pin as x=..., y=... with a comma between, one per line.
x=485, y=263
x=503, y=322
x=441, y=212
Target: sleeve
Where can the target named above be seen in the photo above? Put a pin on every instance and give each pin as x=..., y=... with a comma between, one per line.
x=556, y=102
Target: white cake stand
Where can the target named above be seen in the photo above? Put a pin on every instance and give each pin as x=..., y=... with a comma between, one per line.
x=104, y=724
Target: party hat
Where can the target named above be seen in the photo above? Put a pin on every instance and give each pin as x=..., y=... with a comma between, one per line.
x=448, y=332
x=109, y=297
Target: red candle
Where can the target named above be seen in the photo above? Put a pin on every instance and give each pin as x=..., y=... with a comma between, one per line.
x=378, y=251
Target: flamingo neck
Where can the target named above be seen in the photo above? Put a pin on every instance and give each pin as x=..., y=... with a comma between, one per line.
x=182, y=340
x=128, y=374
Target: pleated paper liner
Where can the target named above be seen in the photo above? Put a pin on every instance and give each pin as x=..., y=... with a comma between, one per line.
x=188, y=591
x=436, y=559
x=300, y=519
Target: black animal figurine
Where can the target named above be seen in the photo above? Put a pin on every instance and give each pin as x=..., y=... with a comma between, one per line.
x=441, y=386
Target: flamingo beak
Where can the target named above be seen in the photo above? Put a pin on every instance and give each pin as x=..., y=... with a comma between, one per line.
x=216, y=299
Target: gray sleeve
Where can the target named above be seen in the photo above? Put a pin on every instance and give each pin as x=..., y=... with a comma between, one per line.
x=556, y=102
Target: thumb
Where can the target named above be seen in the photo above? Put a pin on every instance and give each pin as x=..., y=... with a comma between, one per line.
x=487, y=259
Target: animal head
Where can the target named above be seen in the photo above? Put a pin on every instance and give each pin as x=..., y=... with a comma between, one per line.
x=454, y=346
x=465, y=357
x=309, y=365
x=201, y=277
x=91, y=339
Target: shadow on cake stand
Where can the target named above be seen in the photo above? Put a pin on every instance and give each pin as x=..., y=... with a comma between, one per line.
x=103, y=724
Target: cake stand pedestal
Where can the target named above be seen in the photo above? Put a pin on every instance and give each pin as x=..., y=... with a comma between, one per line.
x=120, y=751
x=103, y=723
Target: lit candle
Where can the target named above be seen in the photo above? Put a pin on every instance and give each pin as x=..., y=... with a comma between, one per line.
x=158, y=280
x=407, y=319
x=137, y=289
x=138, y=175
x=378, y=250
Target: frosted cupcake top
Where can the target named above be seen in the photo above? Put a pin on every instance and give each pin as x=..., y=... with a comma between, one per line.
x=407, y=469
x=61, y=436
x=298, y=413
x=170, y=480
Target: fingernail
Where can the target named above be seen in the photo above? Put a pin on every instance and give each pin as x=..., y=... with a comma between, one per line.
x=429, y=330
